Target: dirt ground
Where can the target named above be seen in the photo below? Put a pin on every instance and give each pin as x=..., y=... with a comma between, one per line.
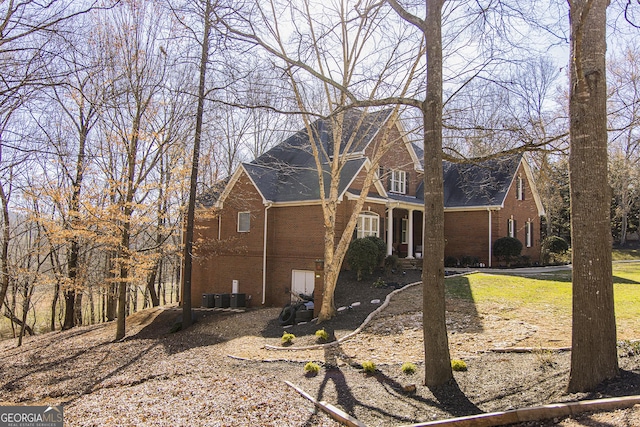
x=222, y=371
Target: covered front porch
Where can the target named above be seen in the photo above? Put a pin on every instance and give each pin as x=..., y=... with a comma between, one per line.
x=403, y=230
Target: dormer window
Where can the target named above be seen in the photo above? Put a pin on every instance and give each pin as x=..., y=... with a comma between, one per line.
x=398, y=182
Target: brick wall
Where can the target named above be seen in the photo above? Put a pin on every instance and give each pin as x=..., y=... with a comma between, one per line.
x=234, y=255
x=466, y=233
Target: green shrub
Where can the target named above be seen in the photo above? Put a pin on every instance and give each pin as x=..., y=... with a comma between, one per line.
x=391, y=262
x=469, y=261
x=369, y=367
x=287, y=338
x=362, y=256
x=382, y=248
x=553, y=248
x=458, y=365
x=322, y=335
x=555, y=245
x=507, y=248
x=311, y=368
x=450, y=261
x=379, y=283
x=408, y=368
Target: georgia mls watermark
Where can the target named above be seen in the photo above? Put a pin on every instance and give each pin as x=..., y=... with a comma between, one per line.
x=31, y=416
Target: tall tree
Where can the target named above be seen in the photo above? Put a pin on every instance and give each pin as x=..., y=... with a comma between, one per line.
x=624, y=132
x=207, y=17
x=436, y=343
x=323, y=52
x=594, y=354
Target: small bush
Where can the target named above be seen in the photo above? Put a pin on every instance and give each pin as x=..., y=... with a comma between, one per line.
x=408, y=368
x=311, y=368
x=554, y=249
x=287, y=338
x=379, y=283
x=322, y=335
x=450, y=261
x=369, y=367
x=469, y=261
x=555, y=245
x=382, y=248
x=362, y=256
x=391, y=262
x=458, y=365
x=507, y=248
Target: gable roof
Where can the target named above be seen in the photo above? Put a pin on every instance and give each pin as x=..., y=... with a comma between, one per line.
x=287, y=172
x=481, y=184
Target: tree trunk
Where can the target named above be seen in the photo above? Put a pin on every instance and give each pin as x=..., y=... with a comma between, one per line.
x=151, y=286
x=594, y=355
x=69, y=309
x=4, y=254
x=77, y=310
x=436, y=344
x=54, y=305
x=188, y=239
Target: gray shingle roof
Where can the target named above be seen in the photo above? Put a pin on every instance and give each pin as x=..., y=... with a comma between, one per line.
x=483, y=183
x=288, y=172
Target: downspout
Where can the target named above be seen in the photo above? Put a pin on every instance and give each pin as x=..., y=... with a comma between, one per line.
x=490, y=238
x=264, y=255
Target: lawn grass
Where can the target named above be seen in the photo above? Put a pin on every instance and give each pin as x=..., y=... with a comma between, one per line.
x=625, y=254
x=549, y=291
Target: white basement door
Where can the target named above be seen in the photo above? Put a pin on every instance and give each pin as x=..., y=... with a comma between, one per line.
x=302, y=282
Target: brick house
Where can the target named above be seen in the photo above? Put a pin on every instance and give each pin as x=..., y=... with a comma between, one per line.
x=261, y=233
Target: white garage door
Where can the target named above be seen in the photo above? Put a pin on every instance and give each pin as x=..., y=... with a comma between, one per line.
x=302, y=282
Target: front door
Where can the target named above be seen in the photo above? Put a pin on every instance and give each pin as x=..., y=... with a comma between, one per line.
x=302, y=282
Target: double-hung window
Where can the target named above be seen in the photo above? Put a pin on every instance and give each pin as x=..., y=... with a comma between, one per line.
x=511, y=227
x=528, y=234
x=244, y=222
x=398, y=182
x=520, y=189
x=368, y=225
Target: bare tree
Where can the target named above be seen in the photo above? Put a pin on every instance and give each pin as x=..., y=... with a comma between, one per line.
x=624, y=131
x=325, y=85
x=134, y=139
x=594, y=355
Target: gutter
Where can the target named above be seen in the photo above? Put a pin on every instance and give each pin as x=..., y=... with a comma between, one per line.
x=264, y=254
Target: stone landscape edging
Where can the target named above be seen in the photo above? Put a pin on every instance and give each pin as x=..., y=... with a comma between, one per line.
x=370, y=317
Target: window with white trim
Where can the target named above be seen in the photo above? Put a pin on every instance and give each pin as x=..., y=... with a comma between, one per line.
x=404, y=227
x=511, y=227
x=368, y=224
x=244, y=222
x=528, y=234
x=398, y=182
x=520, y=189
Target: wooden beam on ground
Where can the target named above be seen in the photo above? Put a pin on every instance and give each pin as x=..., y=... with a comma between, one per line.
x=335, y=413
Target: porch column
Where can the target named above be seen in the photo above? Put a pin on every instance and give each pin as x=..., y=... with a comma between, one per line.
x=410, y=236
x=390, y=231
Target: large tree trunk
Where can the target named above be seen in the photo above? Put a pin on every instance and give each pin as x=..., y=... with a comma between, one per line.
x=436, y=343
x=593, y=356
x=188, y=240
